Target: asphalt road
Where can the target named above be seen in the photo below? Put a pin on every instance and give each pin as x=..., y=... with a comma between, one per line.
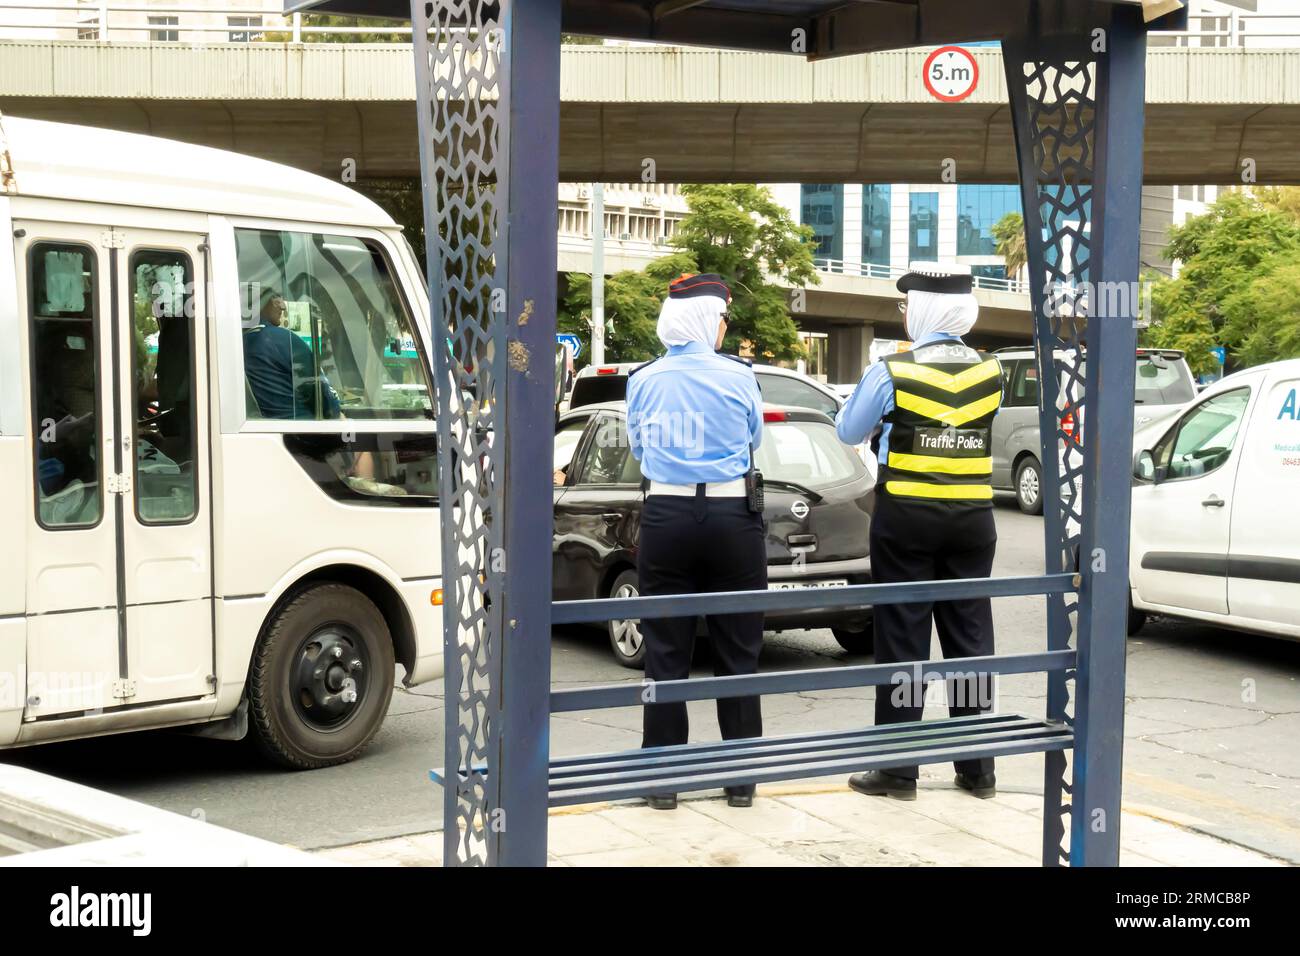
x=1211, y=727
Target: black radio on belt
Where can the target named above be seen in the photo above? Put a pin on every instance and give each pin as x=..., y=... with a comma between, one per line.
x=754, y=485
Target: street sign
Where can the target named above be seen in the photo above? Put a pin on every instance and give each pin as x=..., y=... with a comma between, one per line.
x=570, y=340
x=951, y=74
x=1220, y=354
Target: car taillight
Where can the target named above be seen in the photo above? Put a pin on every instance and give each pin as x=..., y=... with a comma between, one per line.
x=611, y=370
x=773, y=415
x=1067, y=424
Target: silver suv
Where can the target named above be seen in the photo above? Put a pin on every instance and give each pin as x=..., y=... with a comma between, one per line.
x=1164, y=384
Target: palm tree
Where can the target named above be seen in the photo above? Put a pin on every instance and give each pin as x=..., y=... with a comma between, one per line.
x=1009, y=234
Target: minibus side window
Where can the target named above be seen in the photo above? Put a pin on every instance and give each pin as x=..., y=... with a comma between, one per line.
x=326, y=333
x=163, y=386
x=62, y=292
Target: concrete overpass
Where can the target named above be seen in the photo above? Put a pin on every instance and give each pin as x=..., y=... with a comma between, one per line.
x=700, y=115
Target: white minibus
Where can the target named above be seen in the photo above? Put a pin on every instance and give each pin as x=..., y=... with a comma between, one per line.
x=217, y=448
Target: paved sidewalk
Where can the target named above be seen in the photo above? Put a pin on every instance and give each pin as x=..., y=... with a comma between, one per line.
x=826, y=824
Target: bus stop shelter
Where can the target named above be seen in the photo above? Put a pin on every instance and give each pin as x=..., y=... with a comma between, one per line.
x=488, y=96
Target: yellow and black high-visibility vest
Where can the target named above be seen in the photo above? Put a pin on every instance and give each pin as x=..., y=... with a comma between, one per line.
x=945, y=397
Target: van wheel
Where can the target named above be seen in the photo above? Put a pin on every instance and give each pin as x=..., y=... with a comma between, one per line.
x=857, y=642
x=321, y=679
x=1136, y=619
x=625, y=637
x=1029, y=485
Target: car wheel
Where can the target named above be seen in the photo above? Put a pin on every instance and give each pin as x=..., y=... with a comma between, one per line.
x=321, y=678
x=625, y=637
x=1029, y=486
x=1136, y=619
x=857, y=642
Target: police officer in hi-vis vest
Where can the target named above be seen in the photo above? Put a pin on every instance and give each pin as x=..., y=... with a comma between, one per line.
x=933, y=518
x=694, y=418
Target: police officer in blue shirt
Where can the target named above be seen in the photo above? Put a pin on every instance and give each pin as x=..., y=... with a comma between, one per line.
x=694, y=418
x=933, y=518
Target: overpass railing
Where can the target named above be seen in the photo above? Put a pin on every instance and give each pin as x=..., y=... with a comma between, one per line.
x=130, y=22
x=873, y=270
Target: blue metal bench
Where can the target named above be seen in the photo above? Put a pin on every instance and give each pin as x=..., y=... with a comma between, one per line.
x=709, y=766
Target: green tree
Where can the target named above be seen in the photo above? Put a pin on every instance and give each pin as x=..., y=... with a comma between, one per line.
x=1267, y=314
x=1009, y=234
x=1232, y=281
x=632, y=302
x=740, y=232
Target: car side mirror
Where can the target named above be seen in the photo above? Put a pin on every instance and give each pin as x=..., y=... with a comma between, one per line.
x=1144, y=466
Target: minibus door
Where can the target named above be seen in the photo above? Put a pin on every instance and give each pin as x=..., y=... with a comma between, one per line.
x=74, y=654
x=165, y=506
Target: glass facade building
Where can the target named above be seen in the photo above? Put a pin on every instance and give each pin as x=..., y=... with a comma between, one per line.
x=876, y=215
x=923, y=227
x=979, y=208
x=822, y=207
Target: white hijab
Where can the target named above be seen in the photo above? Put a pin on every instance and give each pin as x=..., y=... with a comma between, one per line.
x=691, y=320
x=929, y=313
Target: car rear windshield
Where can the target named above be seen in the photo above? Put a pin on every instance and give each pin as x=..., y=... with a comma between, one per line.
x=1160, y=380
x=592, y=389
x=1163, y=380
x=809, y=453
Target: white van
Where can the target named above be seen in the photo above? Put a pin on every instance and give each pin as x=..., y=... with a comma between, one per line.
x=217, y=448
x=1216, y=531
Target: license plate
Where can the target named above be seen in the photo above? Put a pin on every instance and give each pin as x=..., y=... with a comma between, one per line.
x=793, y=585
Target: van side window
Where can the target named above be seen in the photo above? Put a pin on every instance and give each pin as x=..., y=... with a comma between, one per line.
x=1204, y=439
x=62, y=292
x=162, y=318
x=326, y=333
x=1023, y=385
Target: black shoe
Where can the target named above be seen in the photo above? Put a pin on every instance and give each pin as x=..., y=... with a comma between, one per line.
x=662, y=801
x=740, y=796
x=983, y=785
x=878, y=783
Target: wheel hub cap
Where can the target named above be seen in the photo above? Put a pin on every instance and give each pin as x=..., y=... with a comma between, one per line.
x=328, y=676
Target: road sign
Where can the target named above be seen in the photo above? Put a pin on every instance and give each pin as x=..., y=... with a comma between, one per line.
x=1220, y=354
x=951, y=74
x=572, y=341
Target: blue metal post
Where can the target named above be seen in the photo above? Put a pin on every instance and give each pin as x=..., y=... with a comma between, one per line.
x=1077, y=110
x=532, y=47
x=1108, y=445
x=487, y=95
x=1052, y=196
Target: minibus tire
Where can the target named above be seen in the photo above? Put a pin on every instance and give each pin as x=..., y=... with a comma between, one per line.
x=332, y=616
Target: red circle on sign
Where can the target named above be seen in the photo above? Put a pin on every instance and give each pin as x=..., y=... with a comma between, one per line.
x=950, y=97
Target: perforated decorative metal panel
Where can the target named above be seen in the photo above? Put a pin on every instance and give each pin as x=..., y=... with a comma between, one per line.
x=459, y=95
x=1054, y=108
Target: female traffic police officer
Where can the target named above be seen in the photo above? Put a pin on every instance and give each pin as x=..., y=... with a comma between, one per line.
x=933, y=517
x=694, y=417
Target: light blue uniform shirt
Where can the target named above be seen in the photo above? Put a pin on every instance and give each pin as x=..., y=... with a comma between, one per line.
x=692, y=415
x=872, y=400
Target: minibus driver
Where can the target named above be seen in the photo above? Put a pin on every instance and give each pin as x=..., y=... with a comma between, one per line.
x=280, y=368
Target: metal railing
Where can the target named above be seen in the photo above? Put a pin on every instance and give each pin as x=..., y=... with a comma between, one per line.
x=652, y=249
x=1236, y=29
x=871, y=270
x=101, y=20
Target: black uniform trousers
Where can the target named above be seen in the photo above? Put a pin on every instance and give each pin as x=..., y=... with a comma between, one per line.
x=921, y=541
x=693, y=545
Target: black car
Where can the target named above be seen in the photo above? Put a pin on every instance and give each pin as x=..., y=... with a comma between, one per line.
x=819, y=497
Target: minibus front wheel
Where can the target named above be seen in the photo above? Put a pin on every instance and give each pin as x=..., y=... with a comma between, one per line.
x=322, y=677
